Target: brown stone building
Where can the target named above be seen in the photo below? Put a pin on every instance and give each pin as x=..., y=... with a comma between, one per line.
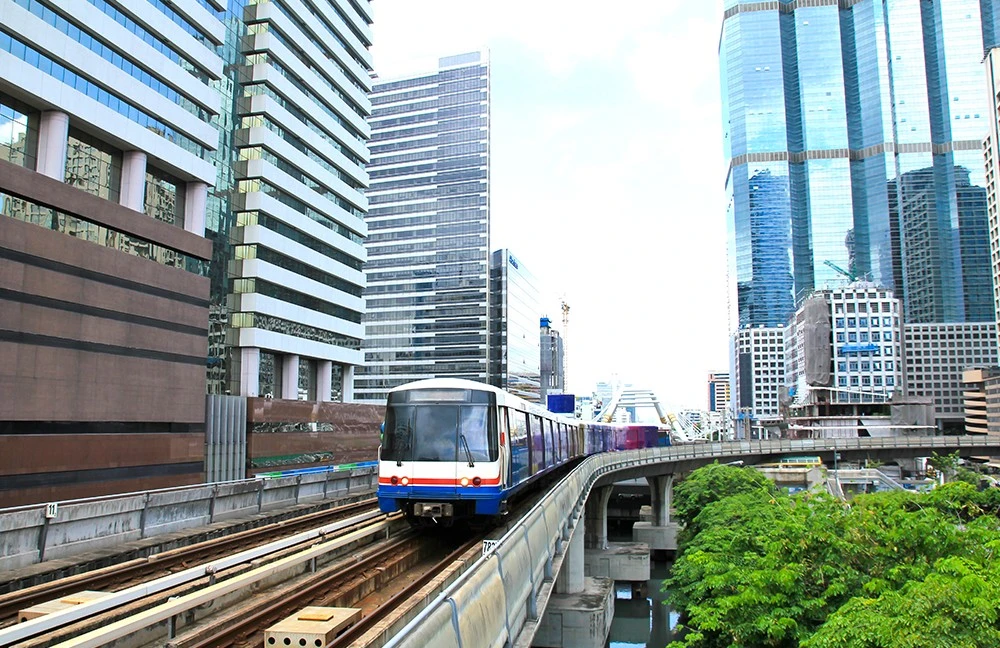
x=105, y=165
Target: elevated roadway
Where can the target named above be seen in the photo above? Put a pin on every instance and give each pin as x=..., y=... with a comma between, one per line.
x=505, y=596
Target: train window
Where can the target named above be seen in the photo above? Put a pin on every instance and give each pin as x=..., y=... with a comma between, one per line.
x=435, y=433
x=475, y=430
x=440, y=432
x=504, y=424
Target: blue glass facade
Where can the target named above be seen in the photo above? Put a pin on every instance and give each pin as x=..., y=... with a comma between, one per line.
x=427, y=293
x=853, y=133
x=515, y=310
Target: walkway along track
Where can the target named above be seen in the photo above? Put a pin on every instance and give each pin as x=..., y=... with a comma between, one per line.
x=142, y=569
x=194, y=581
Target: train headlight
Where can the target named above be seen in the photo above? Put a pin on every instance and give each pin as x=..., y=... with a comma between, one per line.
x=393, y=480
x=476, y=481
x=465, y=481
x=404, y=481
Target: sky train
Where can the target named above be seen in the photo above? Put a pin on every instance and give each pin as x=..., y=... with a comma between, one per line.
x=457, y=449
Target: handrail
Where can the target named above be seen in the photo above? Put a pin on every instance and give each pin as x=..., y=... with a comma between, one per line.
x=501, y=607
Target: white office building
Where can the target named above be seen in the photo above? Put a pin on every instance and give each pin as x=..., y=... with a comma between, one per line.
x=759, y=378
x=296, y=280
x=935, y=357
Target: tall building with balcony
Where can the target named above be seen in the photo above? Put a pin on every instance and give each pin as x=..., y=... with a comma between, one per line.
x=108, y=136
x=515, y=308
x=853, y=134
x=289, y=225
x=428, y=249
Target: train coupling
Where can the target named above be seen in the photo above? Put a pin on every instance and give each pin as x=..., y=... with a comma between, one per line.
x=433, y=510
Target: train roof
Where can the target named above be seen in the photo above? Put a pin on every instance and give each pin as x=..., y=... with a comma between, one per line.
x=503, y=397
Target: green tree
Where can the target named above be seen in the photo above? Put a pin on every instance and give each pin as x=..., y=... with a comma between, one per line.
x=713, y=482
x=957, y=604
x=944, y=464
x=765, y=569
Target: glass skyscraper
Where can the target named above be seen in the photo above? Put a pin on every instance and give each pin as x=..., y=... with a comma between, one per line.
x=428, y=246
x=515, y=311
x=853, y=132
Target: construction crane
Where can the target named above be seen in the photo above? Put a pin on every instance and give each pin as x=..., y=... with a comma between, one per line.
x=565, y=336
x=850, y=275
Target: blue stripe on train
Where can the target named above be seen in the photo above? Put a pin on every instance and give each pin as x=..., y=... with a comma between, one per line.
x=487, y=498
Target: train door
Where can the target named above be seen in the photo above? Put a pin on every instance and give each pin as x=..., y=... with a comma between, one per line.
x=520, y=450
x=536, y=445
x=505, y=447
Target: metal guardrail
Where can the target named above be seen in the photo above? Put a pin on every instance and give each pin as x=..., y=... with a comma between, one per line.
x=31, y=534
x=483, y=608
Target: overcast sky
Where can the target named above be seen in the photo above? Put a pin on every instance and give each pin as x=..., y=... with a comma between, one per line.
x=607, y=171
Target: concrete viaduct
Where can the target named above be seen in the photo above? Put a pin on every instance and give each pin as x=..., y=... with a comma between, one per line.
x=550, y=579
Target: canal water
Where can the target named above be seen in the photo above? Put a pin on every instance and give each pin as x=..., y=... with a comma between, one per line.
x=641, y=619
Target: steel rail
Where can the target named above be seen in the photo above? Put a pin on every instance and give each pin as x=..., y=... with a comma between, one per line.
x=99, y=579
x=13, y=634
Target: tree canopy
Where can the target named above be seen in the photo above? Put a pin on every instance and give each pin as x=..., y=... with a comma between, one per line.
x=758, y=567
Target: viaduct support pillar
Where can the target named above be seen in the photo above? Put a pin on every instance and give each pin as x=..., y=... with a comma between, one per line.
x=624, y=561
x=660, y=534
x=580, y=609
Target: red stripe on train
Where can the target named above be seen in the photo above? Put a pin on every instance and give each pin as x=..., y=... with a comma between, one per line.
x=427, y=481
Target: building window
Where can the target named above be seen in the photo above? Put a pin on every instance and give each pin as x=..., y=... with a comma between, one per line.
x=93, y=166
x=852, y=322
x=164, y=199
x=269, y=376
x=307, y=379
x=18, y=134
x=863, y=322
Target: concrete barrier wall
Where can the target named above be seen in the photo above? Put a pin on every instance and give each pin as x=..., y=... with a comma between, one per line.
x=509, y=587
x=30, y=534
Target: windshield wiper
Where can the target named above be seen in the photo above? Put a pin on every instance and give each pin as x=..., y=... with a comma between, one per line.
x=400, y=445
x=468, y=453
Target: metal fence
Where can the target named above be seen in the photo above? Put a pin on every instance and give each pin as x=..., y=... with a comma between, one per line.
x=31, y=534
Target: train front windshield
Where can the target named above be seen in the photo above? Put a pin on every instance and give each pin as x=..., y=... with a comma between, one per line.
x=439, y=425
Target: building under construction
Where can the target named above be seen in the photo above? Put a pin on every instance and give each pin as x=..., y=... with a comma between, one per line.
x=844, y=368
